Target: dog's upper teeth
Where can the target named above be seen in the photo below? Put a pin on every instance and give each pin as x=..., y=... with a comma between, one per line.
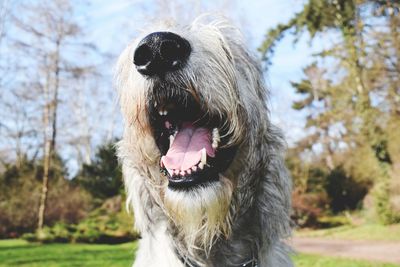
x=162, y=112
x=194, y=168
x=183, y=173
x=214, y=145
x=215, y=138
x=215, y=135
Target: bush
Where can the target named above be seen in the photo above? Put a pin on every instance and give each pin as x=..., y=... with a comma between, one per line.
x=386, y=213
x=103, y=177
x=108, y=224
x=20, y=187
x=307, y=208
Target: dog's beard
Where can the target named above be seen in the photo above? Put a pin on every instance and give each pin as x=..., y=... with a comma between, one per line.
x=201, y=214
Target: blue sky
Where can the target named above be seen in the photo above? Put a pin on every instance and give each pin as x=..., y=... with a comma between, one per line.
x=112, y=24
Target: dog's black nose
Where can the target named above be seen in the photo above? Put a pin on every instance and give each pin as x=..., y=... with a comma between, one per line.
x=161, y=52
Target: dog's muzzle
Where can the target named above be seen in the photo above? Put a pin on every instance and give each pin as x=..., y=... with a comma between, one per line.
x=161, y=52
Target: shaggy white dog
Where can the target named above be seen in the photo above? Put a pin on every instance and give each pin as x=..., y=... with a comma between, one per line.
x=202, y=163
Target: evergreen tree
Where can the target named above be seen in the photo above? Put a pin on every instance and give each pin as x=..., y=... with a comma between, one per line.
x=352, y=100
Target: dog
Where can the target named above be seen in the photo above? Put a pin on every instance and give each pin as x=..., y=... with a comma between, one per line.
x=202, y=163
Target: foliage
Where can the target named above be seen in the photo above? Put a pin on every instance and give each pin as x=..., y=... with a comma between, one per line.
x=109, y=224
x=319, y=191
x=19, y=199
x=103, y=177
x=307, y=208
x=351, y=97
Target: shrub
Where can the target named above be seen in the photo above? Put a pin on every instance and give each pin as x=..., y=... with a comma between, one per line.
x=108, y=224
x=307, y=208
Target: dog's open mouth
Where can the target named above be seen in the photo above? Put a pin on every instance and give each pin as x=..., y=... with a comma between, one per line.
x=191, y=141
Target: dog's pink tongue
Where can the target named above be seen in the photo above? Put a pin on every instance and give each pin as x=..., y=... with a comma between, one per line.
x=185, y=151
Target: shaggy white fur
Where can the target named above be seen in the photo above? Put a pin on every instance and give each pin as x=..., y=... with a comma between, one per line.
x=244, y=215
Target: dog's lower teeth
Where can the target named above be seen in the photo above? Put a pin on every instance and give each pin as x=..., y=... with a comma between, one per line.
x=203, y=156
x=171, y=172
x=201, y=165
x=171, y=140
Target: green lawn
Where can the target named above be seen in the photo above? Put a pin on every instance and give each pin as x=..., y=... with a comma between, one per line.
x=319, y=261
x=363, y=232
x=21, y=253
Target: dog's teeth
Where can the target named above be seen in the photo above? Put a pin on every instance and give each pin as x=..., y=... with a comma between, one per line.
x=214, y=145
x=162, y=112
x=201, y=165
x=189, y=171
x=171, y=140
x=176, y=172
x=183, y=173
x=203, y=156
x=171, y=172
x=194, y=168
x=215, y=135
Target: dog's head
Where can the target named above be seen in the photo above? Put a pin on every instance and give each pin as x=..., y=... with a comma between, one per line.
x=193, y=99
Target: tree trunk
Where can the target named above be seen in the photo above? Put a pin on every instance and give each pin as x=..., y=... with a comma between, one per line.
x=50, y=122
x=46, y=161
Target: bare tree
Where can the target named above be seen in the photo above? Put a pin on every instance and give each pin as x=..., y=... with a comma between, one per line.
x=50, y=39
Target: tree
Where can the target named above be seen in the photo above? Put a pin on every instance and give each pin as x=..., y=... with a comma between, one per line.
x=103, y=177
x=351, y=92
x=49, y=38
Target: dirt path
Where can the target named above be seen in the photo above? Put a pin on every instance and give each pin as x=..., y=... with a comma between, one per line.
x=368, y=250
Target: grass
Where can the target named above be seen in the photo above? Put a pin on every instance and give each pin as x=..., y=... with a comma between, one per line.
x=305, y=260
x=21, y=253
x=364, y=232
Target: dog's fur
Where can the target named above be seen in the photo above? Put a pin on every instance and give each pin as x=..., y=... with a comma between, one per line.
x=245, y=215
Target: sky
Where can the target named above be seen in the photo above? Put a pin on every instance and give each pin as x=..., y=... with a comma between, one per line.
x=113, y=24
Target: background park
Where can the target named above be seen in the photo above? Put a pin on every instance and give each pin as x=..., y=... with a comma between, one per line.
x=333, y=71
